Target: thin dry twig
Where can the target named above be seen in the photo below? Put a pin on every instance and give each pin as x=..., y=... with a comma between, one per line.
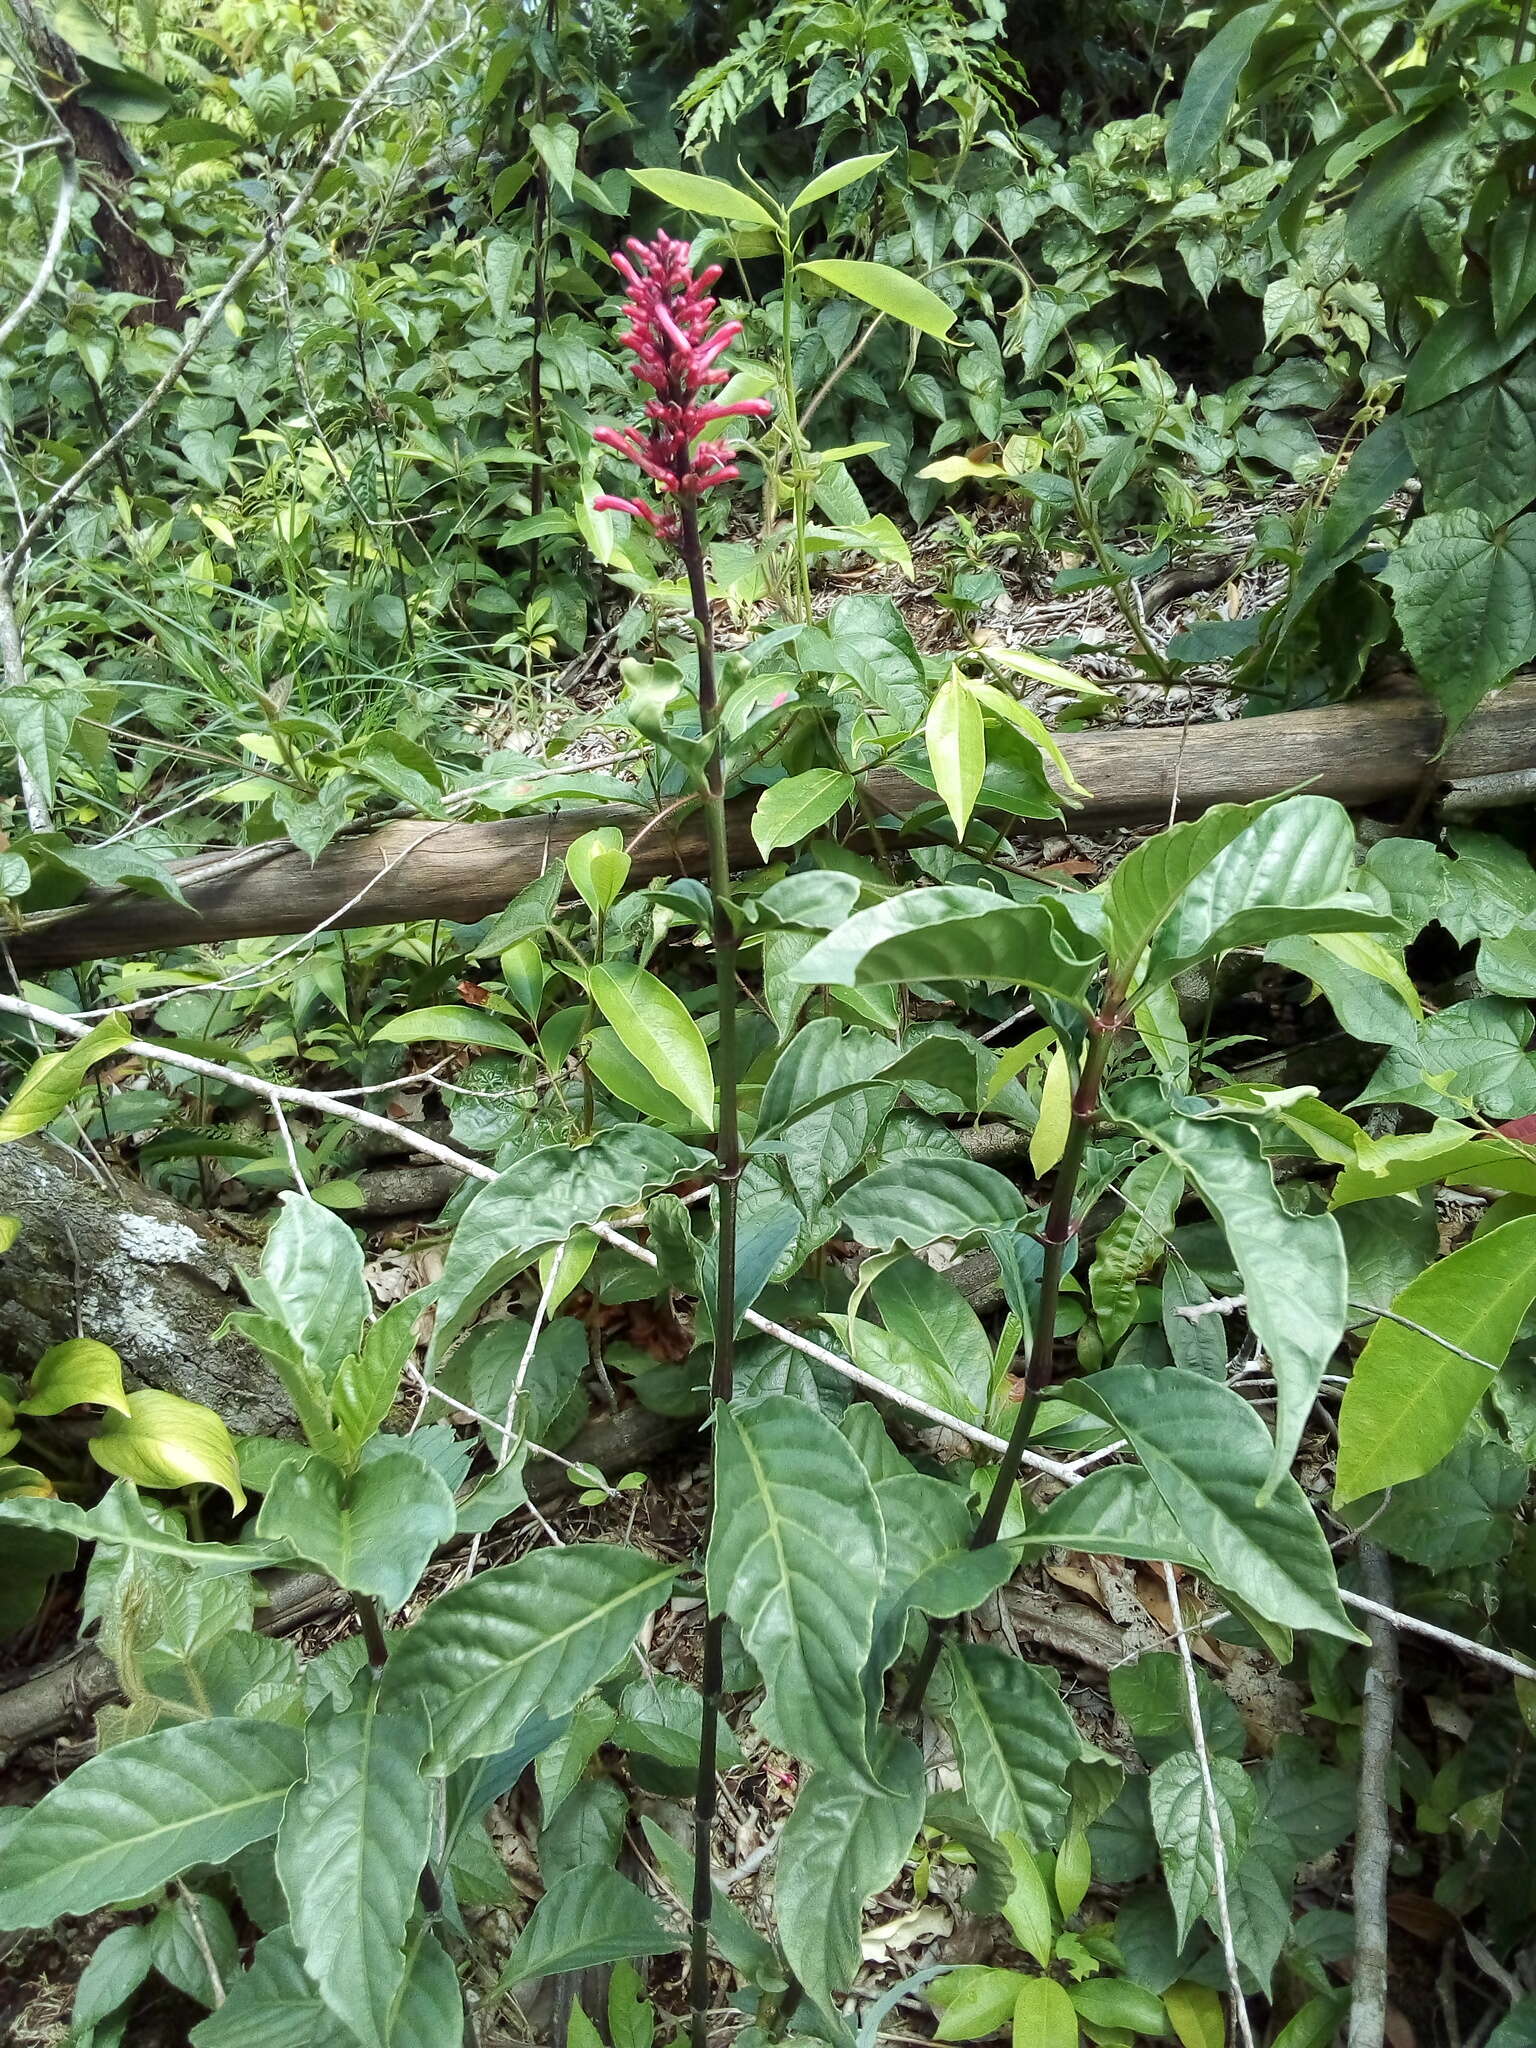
x=1373, y=1830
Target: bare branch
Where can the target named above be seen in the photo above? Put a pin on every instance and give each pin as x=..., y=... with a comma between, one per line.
x=1373, y=1832
x=63, y=206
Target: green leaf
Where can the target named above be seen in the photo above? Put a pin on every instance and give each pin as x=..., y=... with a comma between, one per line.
x=975, y=2001
x=789, y=811
x=654, y=1026
x=1043, y=2015
x=1133, y=1242
x=166, y=1441
x=273, y=2004
x=888, y=291
x=1469, y=1056
x=1462, y=347
x=930, y=1313
x=131, y=1818
x=556, y=146
x=1465, y=598
x=1209, y=1455
x=428, y=2010
x=955, y=736
x=118, y=1519
x=955, y=933
x=1028, y=1908
x=711, y=197
x=1409, y=1399
x=1186, y=1822
x=311, y=1283
x=540, y=1201
x=1200, y=118
x=51, y=1083
x=1145, y=888
x=1447, y=1152
x=1196, y=2015
x=367, y=1381
x=598, y=867
x=77, y=1373
x=1117, y=2002
x=836, y=176
x=796, y=1555
x=732, y=1933
x=1113, y=1512
x=918, y=1200
x=353, y=1839
x=1476, y=450
x=841, y=1845
x=1294, y=1268
x=118, y=1966
x=537, y=1634
x=587, y=1918
x=372, y=1530
x=1512, y=263
x=1015, y=1742
x=451, y=1024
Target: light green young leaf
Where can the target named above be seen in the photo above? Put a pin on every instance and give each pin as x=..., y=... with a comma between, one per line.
x=1409, y=1398
x=166, y=1441
x=1015, y=1742
x=1448, y=1151
x=1043, y=2015
x=1186, y=1824
x=653, y=1024
x=836, y=176
x=934, y=1317
x=537, y=1634
x=955, y=736
x=79, y=1372
x=1028, y=1908
x=975, y=2001
x=791, y=810
x=353, y=1838
x=711, y=197
x=1053, y=1125
x=451, y=1024
x=1028, y=722
x=956, y=933
x=888, y=291
x=51, y=1083
x=796, y=1556
x=367, y=1381
x=372, y=1530
x=598, y=867
x=841, y=1845
x=588, y=1917
x=132, y=1817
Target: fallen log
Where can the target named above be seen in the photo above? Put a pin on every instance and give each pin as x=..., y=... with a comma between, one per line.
x=1373, y=748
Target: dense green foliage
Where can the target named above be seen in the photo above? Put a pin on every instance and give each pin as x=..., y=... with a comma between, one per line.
x=1260, y=1337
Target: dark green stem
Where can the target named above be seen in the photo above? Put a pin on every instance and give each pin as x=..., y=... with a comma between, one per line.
x=1061, y=1226
x=728, y=1160
x=372, y=1623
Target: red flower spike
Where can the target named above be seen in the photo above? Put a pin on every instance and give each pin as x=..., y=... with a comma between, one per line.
x=669, y=312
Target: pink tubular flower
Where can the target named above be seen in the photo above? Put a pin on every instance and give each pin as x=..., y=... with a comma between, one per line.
x=669, y=313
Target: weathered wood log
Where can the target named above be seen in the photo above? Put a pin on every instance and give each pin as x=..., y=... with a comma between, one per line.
x=108, y=1258
x=1363, y=752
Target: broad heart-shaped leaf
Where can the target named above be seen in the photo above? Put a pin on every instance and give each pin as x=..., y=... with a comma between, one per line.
x=920, y=1200
x=1409, y=1399
x=355, y=1833
x=842, y=1844
x=373, y=1530
x=955, y=933
x=796, y=1558
x=1464, y=593
x=791, y=810
x=540, y=1201
x=311, y=1283
x=1477, y=449
x=273, y=2004
x=118, y=1519
x=79, y=1372
x=532, y=1635
x=588, y=1917
x=1185, y=1823
x=653, y=1025
x=888, y=291
x=711, y=197
x=1200, y=118
x=1209, y=1456
x=134, y=1816
x=1015, y=1742
x=166, y=1441
x=1288, y=871
x=1295, y=1270
x=956, y=739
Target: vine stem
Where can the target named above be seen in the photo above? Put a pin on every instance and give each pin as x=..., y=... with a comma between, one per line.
x=728, y=1160
x=1061, y=1226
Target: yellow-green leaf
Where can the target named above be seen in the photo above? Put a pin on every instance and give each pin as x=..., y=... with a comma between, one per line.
x=73, y=1374
x=598, y=867
x=711, y=197
x=166, y=1441
x=49, y=1084
x=451, y=1024
x=888, y=291
x=956, y=738
x=1044, y=2016
x=10, y=1230
x=1055, y=1121
x=836, y=176
x=1028, y=722
x=789, y=811
x=652, y=1024
x=563, y=1268
x=1369, y=956
x=1194, y=2011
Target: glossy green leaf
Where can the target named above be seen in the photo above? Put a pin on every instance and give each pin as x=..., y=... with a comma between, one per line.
x=1146, y=887
x=956, y=739
x=354, y=1836
x=119, y=1519
x=588, y=1917
x=166, y=1441
x=134, y=1816
x=956, y=933
x=888, y=291
x=77, y=1373
x=51, y=1083
x=791, y=810
x=537, y=1634
x=1115, y=1511
x=930, y=1313
x=451, y=1024
x=711, y=197
x=841, y=1845
x=915, y=1202
x=796, y=1553
x=653, y=1024
x=1209, y=1456
x=311, y=1283
x=372, y=1530
x=1117, y=2002
x=1014, y=1739
x=1294, y=1267
x=1043, y=2015
x=836, y=176
x=1409, y=1398
x=1187, y=1822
